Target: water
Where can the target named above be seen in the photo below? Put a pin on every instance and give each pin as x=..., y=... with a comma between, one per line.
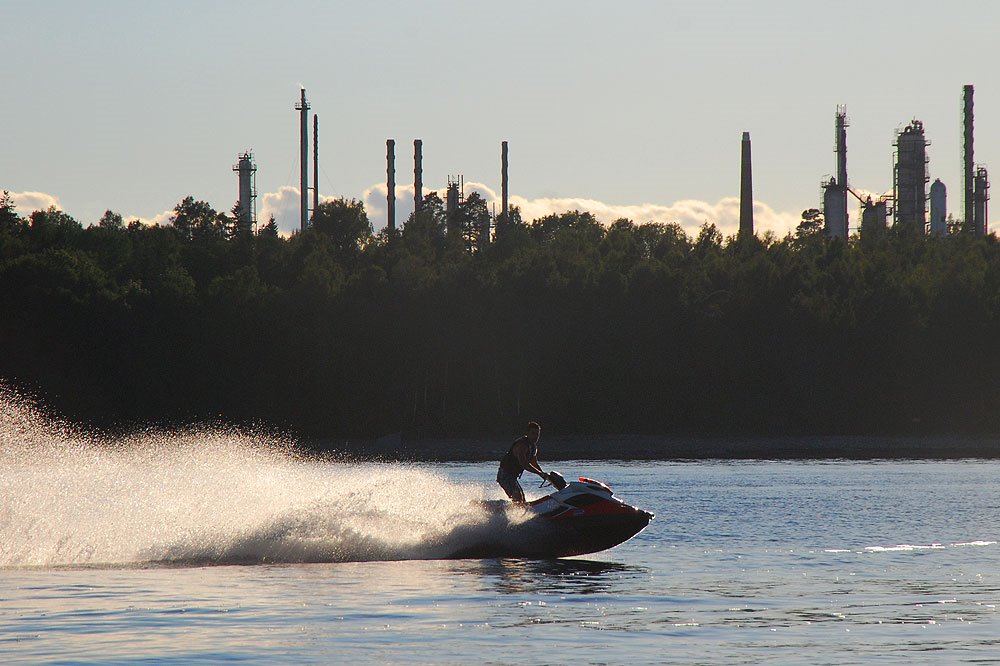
x=213, y=546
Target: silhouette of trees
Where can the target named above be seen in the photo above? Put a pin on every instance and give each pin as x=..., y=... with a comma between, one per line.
x=197, y=220
x=620, y=328
x=111, y=220
x=346, y=224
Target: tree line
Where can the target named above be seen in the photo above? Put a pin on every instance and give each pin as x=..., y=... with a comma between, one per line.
x=623, y=328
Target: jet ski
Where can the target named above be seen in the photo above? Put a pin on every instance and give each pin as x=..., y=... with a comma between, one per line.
x=580, y=517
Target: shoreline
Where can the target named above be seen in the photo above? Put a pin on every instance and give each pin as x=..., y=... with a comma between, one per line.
x=652, y=447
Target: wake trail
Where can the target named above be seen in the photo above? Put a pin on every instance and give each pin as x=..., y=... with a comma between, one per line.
x=214, y=496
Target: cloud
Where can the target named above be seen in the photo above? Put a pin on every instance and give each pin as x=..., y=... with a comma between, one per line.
x=374, y=199
x=284, y=206
x=689, y=213
x=25, y=203
x=28, y=202
x=162, y=219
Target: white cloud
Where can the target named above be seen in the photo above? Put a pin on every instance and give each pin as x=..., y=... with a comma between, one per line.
x=27, y=203
x=374, y=199
x=689, y=213
x=162, y=219
x=284, y=206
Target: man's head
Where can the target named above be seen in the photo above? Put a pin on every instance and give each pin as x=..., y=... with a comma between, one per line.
x=534, y=430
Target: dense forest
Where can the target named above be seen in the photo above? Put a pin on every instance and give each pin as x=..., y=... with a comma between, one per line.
x=624, y=328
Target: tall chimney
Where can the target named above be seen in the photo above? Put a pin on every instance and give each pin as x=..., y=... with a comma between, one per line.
x=246, y=215
x=841, y=223
x=503, y=180
x=418, y=173
x=315, y=163
x=981, y=196
x=970, y=169
x=303, y=108
x=841, y=144
x=746, y=190
x=390, y=173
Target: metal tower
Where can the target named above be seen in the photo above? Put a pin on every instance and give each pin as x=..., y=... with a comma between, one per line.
x=390, y=182
x=503, y=179
x=835, y=191
x=303, y=108
x=982, y=195
x=968, y=163
x=418, y=173
x=315, y=162
x=246, y=212
x=910, y=176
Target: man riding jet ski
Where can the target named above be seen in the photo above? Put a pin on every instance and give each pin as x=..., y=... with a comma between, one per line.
x=580, y=517
x=522, y=455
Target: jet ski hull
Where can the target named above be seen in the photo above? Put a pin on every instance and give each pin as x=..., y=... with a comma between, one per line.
x=581, y=519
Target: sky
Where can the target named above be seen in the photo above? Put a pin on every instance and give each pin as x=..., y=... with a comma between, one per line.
x=627, y=109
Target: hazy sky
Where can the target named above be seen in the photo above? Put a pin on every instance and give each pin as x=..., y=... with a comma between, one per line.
x=629, y=108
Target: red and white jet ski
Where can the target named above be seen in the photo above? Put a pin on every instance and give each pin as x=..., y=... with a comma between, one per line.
x=580, y=517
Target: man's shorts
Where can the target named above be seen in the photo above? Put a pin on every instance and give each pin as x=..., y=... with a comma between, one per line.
x=510, y=485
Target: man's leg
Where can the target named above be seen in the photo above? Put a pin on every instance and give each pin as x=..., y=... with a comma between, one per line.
x=510, y=486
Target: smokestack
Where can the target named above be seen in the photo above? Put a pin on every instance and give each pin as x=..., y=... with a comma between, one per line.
x=503, y=179
x=746, y=189
x=842, y=146
x=390, y=173
x=970, y=175
x=841, y=223
x=315, y=163
x=303, y=107
x=418, y=173
x=981, y=196
x=246, y=215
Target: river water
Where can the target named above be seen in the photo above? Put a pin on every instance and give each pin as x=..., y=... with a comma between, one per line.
x=211, y=547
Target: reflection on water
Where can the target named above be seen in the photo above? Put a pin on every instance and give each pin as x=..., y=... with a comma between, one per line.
x=567, y=576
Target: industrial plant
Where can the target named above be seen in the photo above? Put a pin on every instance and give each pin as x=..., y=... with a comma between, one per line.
x=906, y=202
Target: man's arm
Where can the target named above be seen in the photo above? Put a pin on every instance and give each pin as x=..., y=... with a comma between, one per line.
x=530, y=464
x=536, y=468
